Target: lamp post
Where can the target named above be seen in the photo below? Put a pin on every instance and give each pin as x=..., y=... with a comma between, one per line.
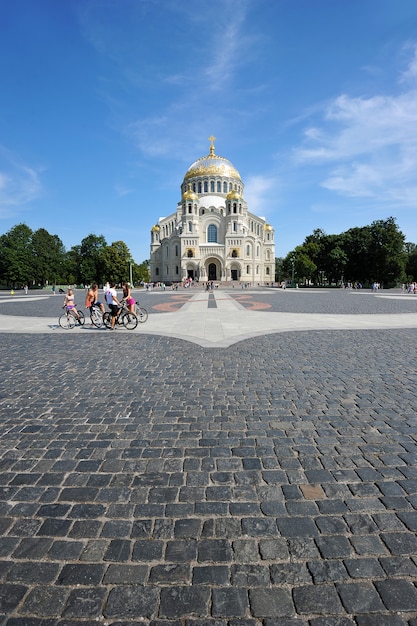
x=292, y=270
x=130, y=261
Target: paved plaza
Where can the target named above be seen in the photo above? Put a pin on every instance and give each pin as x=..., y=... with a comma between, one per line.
x=244, y=458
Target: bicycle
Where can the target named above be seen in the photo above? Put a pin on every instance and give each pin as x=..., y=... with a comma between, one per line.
x=96, y=316
x=69, y=319
x=124, y=318
x=141, y=313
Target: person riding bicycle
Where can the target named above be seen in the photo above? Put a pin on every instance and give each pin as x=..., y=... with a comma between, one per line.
x=70, y=305
x=127, y=297
x=91, y=298
x=113, y=304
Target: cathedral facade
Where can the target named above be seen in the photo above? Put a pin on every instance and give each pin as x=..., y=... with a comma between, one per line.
x=212, y=235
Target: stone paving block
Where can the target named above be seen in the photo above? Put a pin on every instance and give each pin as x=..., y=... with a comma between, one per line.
x=334, y=546
x=380, y=620
x=331, y=621
x=120, y=574
x=10, y=596
x=184, y=601
x=297, y=527
x=274, y=603
x=81, y=574
x=400, y=543
x=214, y=551
x=359, y=597
x=229, y=602
x=320, y=599
x=327, y=571
x=33, y=572
x=44, y=601
x=131, y=602
x=84, y=603
x=398, y=594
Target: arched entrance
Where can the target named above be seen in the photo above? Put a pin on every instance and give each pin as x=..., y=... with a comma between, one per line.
x=212, y=271
x=235, y=271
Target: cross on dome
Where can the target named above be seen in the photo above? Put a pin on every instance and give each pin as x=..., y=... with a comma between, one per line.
x=212, y=139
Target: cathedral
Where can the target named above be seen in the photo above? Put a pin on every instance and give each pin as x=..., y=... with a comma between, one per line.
x=212, y=236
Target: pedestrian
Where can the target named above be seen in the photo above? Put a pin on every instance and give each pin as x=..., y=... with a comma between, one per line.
x=113, y=304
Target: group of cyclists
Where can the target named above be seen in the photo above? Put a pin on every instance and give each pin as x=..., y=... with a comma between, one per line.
x=110, y=296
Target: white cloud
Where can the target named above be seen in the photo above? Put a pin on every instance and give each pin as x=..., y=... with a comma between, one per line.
x=19, y=184
x=367, y=147
x=257, y=190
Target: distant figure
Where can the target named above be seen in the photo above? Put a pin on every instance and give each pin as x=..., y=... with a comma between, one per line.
x=26, y=289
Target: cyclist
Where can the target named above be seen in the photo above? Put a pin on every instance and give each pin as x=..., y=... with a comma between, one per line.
x=70, y=305
x=91, y=298
x=113, y=303
x=127, y=297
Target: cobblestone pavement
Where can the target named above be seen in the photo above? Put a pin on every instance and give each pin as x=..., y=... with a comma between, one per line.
x=149, y=480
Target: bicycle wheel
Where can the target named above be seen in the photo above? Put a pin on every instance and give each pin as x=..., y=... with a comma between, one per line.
x=96, y=317
x=107, y=319
x=142, y=314
x=66, y=321
x=130, y=321
x=81, y=318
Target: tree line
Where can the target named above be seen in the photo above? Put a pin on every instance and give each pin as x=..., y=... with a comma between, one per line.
x=37, y=258
x=361, y=255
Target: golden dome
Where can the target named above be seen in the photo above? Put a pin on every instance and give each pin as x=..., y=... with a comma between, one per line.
x=156, y=228
x=268, y=227
x=233, y=195
x=189, y=195
x=212, y=165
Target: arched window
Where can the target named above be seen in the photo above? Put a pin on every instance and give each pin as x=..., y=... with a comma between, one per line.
x=235, y=227
x=219, y=188
x=247, y=250
x=225, y=187
x=267, y=271
x=205, y=186
x=190, y=227
x=212, y=186
x=212, y=233
x=199, y=187
x=248, y=269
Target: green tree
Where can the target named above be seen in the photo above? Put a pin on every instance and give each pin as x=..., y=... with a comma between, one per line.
x=91, y=259
x=48, y=254
x=116, y=262
x=279, y=269
x=16, y=257
x=72, y=265
x=411, y=261
x=141, y=273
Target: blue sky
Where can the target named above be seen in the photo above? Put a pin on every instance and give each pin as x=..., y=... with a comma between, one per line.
x=104, y=104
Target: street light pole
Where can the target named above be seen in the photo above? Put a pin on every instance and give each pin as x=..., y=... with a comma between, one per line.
x=292, y=270
x=130, y=271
